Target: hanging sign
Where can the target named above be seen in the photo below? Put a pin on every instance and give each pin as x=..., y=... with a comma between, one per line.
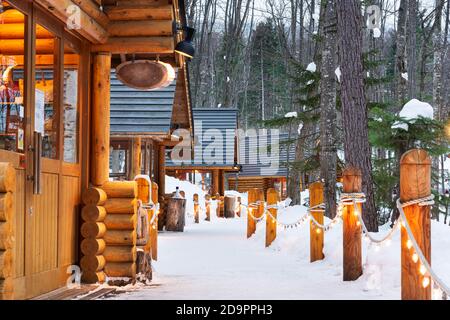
x=39, y=111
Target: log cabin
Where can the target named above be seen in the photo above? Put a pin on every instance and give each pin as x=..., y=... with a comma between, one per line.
x=212, y=168
x=56, y=60
x=255, y=170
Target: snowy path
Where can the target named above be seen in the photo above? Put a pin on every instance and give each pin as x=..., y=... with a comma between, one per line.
x=215, y=261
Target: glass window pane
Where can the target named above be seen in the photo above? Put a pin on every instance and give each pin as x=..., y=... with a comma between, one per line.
x=46, y=116
x=12, y=109
x=70, y=103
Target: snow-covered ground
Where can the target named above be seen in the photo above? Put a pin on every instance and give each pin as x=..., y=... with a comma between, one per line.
x=214, y=260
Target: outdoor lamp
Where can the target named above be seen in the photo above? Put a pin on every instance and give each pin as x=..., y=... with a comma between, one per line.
x=185, y=47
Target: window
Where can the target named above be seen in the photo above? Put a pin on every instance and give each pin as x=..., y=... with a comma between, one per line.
x=46, y=112
x=12, y=108
x=70, y=103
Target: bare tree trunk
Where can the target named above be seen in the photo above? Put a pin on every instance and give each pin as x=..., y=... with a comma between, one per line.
x=328, y=151
x=411, y=48
x=400, y=56
x=354, y=109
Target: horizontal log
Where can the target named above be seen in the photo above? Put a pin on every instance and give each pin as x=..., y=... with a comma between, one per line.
x=93, y=277
x=92, y=9
x=93, y=247
x=94, y=196
x=6, y=235
x=121, y=221
x=120, y=254
x=142, y=12
x=93, y=230
x=120, y=189
x=6, y=206
x=93, y=213
x=120, y=269
x=12, y=16
x=161, y=45
x=47, y=59
x=7, y=173
x=146, y=28
x=6, y=264
x=17, y=31
x=89, y=28
x=92, y=263
x=16, y=46
x=134, y=3
x=120, y=237
x=121, y=205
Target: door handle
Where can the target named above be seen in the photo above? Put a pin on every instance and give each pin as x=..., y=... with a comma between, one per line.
x=37, y=159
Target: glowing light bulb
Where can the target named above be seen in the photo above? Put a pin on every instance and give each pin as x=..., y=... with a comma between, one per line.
x=356, y=213
x=422, y=269
x=318, y=231
x=415, y=258
x=425, y=282
x=408, y=244
x=358, y=223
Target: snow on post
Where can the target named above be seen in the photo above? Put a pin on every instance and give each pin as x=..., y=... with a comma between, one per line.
x=352, y=227
x=415, y=183
x=316, y=234
x=312, y=67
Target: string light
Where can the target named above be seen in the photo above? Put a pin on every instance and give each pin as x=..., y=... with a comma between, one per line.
x=425, y=282
x=318, y=231
x=408, y=244
x=422, y=270
x=415, y=258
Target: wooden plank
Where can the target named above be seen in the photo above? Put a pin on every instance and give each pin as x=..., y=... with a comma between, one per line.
x=142, y=12
x=128, y=45
x=146, y=28
x=251, y=210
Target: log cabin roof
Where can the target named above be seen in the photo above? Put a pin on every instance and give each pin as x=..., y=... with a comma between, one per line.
x=140, y=113
x=205, y=119
x=251, y=164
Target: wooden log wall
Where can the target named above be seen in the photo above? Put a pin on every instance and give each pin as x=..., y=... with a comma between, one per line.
x=154, y=227
x=120, y=222
x=7, y=205
x=247, y=183
x=93, y=231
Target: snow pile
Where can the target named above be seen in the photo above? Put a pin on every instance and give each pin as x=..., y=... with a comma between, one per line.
x=312, y=67
x=405, y=76
x=292, y=114
x=413, y=110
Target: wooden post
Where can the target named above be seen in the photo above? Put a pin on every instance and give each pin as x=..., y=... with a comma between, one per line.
x=196, y=209
x=229, y=206
x=352, y=228
x=415, y=183
x=154, y=226
x=100, y=119
x=162, y=169
x=260, y=198
x=238, y=206
x=251, y=224
x=175, y=219
x=136, y=158
x=215, y=181
x=208, y=207
x=271, y=224
x=316, y=234
x=218, y=204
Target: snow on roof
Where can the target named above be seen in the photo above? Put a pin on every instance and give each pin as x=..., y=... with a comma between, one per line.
x=413, y=110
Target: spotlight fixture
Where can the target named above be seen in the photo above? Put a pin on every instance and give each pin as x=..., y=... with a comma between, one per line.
x=185, y=47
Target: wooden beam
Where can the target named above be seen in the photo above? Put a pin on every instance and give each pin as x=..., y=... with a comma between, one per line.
x=161, y=12
x=134, y=3
x=90, y=29
x=100, y=119
x=93, y=10
x=155, y=45
x=46, y=59
x=146, y=28
x=16, y=46
x=136, y=158
x=162, y=168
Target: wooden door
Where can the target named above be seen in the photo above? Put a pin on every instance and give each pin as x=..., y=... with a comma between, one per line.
x=49, y=167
